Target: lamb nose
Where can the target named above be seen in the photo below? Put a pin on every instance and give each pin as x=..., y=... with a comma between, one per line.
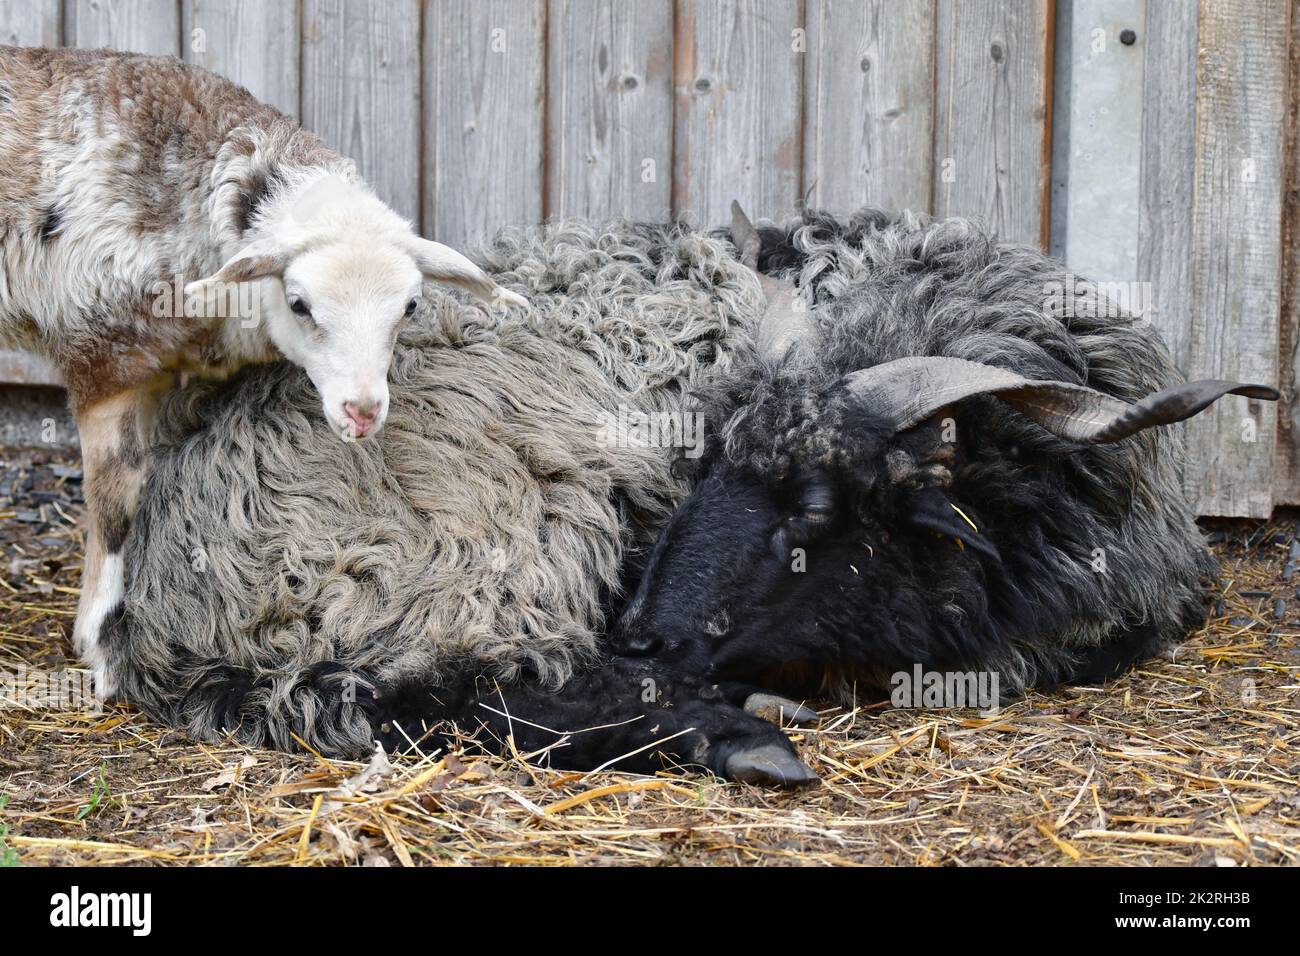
x=363, y=413
x=363, y=416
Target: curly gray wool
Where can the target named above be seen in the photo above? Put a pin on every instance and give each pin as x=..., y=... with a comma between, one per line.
x=488, y=523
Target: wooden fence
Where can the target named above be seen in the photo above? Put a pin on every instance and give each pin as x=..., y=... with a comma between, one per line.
x=1150, y=143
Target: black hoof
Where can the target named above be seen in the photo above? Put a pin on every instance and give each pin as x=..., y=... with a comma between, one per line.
x=778, y=710
x=769, y=765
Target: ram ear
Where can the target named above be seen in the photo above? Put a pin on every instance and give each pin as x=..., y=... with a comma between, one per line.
x=930, y=510
x=909, y=390
x=444, y=264
x=744, y=236
x=785, y=319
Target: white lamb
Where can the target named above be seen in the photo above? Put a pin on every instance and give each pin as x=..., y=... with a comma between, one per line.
x=156, y=219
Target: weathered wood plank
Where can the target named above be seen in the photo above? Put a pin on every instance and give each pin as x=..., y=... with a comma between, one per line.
x=30, y=22
x=140, y=26
x=738, y=79
x=1096, y=142
x=1286, y=478
x=609, y=109
x=18, y=368
x=253, y=42
x=869, y=104
x=1168, y=171
x=484, y=106
x=1236, y=255
x=361, y=89
x=992, y=122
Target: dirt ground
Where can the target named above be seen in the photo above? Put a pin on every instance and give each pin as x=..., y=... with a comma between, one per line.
x=1189, y=760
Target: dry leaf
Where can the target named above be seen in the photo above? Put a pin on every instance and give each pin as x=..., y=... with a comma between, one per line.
x=229, y=775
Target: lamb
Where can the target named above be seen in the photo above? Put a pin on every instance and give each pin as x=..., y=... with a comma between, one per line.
x=939, y=461
x=464, y=566
x=157, y=220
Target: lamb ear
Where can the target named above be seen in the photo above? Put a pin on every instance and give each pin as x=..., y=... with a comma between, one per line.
x=259, y=260
x=444, y=264
x=910, y=390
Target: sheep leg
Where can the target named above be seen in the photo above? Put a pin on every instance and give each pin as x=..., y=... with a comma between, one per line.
x=759, y=702
x=628, y=715
x=112, y=449
x=778, y=709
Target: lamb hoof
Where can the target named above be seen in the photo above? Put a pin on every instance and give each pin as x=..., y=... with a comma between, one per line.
x=771, y=765
x=778, y=710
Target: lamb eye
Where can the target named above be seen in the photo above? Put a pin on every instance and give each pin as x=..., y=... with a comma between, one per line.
x=298, y=307
x=411, y=307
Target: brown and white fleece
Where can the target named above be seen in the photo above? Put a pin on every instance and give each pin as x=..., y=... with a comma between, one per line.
x=125, y=179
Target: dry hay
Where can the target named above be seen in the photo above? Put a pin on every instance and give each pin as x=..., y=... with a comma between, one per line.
x=1191, y=760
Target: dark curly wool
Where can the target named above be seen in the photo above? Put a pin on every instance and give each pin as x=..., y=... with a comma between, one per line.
x=821, y=552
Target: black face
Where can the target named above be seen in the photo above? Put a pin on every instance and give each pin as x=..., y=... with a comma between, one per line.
x=749, y=580
x=739, y=578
